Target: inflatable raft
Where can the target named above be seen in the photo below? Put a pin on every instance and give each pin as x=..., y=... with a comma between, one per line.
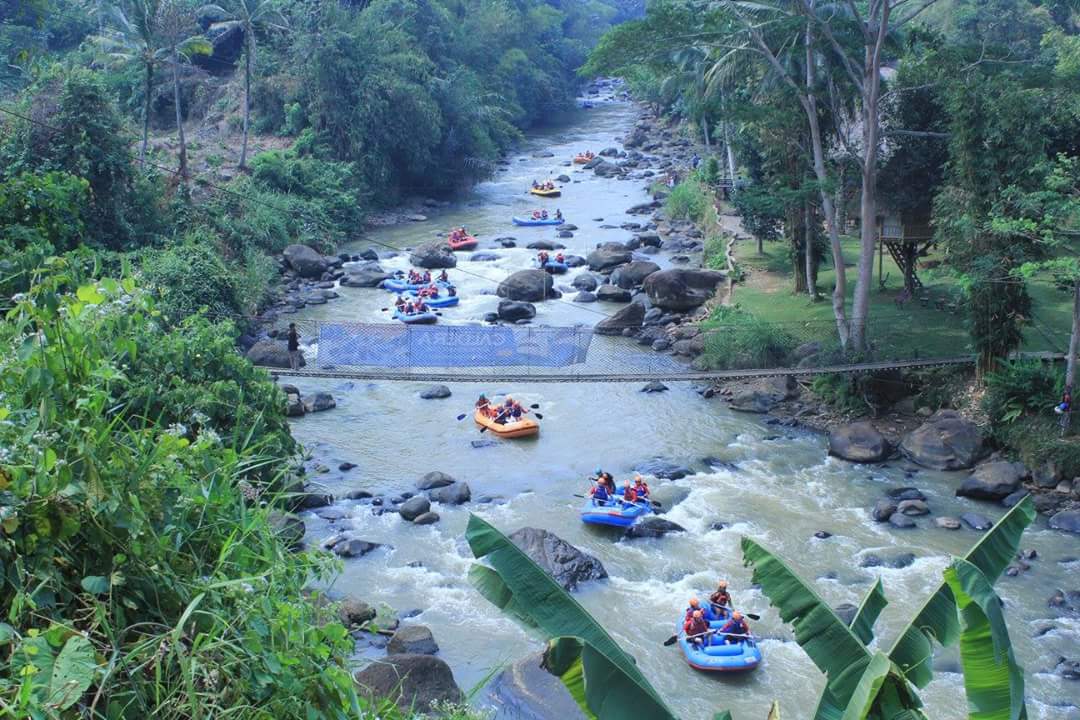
x=553, y=192
x=466, y=243
x=615, y=513
x=525, y=427
x=533, y=222
x=443, y=301
x=555, y=267
x=583, y=159
x=416, y=318
x=717, y=656
x=399, y=285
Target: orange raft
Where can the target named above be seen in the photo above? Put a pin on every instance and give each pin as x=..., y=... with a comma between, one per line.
x=526, y=427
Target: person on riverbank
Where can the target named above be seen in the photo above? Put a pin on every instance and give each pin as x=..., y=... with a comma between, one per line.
x=736, y=625
x=696, y=629
x=1066, y=402
x=293, y=344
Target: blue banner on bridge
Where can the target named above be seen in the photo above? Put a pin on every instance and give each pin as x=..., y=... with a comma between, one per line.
x=448, y=346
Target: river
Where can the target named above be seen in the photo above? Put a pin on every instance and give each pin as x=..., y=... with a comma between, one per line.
x=780, y=488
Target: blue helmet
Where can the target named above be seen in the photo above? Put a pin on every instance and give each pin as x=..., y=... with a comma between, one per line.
x=598, y=470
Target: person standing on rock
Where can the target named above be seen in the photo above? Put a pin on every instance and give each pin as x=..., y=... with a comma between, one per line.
x=295, y=355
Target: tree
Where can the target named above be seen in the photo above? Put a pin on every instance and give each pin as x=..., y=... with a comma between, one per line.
x=179, y=46
x=250, y=16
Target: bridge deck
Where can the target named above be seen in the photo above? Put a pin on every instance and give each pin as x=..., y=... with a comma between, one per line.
x=451, y=375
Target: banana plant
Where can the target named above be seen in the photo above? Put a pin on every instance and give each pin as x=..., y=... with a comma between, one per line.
x=963, y=610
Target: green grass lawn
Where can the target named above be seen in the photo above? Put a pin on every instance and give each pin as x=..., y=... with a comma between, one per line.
x=910, y=331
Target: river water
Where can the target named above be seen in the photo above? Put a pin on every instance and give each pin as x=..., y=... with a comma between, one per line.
x=779, y=488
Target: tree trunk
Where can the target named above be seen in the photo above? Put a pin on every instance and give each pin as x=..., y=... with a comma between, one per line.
x=808, y=246
x=179, y=115
x=796, y=228
x=146, y=115
x=248, y=48
x=1074, y=338
x=860, y=307
x=705, y=131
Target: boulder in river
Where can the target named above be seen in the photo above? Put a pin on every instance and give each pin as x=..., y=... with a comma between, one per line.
x=630, y=317
x=584, y=297
x=320, y=402
x=652, y=526
x=946, y=441
x=613, y=293
x=352, y=611
x=883, y=510
x=761, y=396
x=514, y=310
x=413, y=682
x=633, y=274
x=349, y=547
x=526, y=691
x=414, y=639
x=608, y=256
x=435, y=392
x=585, y=281
x=993, y=480
x=433, y=255
x=365, y=278
x=975, y=521
x=1067, y=521
x=681, y=289
x=457, y=493
x=859, y=442
x=433, y=480
x=663, y=469
x=270, y=353
x=564, y=562
x=527, y=286
x=901, y=521
x=306, y=261
x=414, y=507
x=428, y=518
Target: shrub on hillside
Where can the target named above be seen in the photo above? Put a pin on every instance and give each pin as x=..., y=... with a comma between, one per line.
x=139, y=577
x=688, y=201
x=1021, y=388
x=735, y=338
x=190, y=278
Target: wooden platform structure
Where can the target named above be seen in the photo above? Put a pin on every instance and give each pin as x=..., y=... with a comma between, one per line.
x=907, y=237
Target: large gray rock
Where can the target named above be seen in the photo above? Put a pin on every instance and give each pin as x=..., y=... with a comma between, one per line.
x=681, y=289
x=320, y=402
x=946, y=441
x=527, y=286
x=632, y=274
x=414, y=507
x=761, y=396
x=433, y=480
x=883, y=509
x=993, y=480
x=630, y=316
x=526, y=691
x=457, y=493
x=366, y=277
x=435, y=392
x=612, y=293
x=564, y=562
x=413, y=682
x=514, y=310
x=352, y=611
x=585, y=281
x=433, y=255
x=415, y=639
x=859, y=442
x=1067, y=521
x=663, y=469
x=653, y=527
x=305, y=261
x=270, y=353
x=609, y=256
x=289, y=528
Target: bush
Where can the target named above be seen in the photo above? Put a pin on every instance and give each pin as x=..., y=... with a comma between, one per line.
x=138, y=575
x=688, y=201
x=1037, y=440
x=191, y=278
x=1020, y=388
x=736, y=339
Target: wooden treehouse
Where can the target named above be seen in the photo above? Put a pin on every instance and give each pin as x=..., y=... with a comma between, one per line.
x=907, y=236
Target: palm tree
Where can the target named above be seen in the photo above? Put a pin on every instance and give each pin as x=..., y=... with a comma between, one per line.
x=133, y=35
x=249, y=16
x=175, y=25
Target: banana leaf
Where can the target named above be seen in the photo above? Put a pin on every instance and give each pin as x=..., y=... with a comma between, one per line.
x=882, y=694
x=913, y=650
x=527, y=590
x=993, y=680
x=829, y=643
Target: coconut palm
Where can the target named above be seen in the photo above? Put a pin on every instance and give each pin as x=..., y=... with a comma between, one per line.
x=250, y=16
x=151, y=33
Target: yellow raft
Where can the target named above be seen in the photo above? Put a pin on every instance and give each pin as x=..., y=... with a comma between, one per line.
x=526, y=427
x=554, y=192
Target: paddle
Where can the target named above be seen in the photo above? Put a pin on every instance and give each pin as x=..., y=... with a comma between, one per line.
x=750, y=615
x=675, y=638
x=655, y=503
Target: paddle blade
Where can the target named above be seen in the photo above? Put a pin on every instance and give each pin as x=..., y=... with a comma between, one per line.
x=671, y=641
x=535, y=406
x=462, y=416
x=538, y=416
x=483, y=429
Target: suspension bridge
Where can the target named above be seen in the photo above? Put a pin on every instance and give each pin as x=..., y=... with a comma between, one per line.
x=541, y=354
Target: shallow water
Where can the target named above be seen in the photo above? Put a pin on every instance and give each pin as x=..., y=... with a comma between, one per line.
x=781, y=489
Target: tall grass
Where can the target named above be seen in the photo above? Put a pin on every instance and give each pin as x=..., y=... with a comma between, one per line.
x=736, y=339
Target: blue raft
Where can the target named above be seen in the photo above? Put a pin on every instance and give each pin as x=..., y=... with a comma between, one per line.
x=530, y=222
x=615, y=513
x=416, y=318
x=399, y=285
x=443, y=301
x=555, y=267
x=718, y=656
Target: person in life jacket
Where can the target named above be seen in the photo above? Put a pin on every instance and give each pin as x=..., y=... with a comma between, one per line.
x=451, y=291
x=641, y=488
x=721, y=598
x=412, y=277
x=558, y=214
x=1066, y=402
x=628, y=494
x=542, y=257
x=543, y=215
x=443, y=277
x=696, y=629
x=427, y=276
x=420, y=306
x=560, y=258
x=736, y=625
x=599, y=493
x=607, y=480
x=399, y=303
x=692, y=607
